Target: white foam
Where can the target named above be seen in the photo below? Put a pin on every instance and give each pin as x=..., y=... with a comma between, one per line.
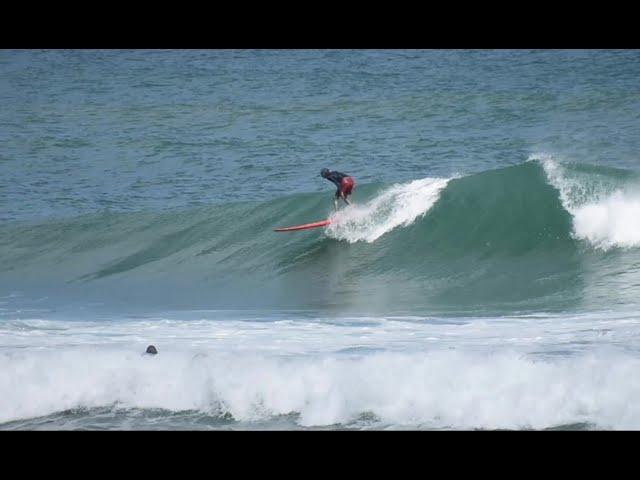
x=603, y=218
x=425, y=374
x=612, y=222
x=400, y=205
x=439, y=389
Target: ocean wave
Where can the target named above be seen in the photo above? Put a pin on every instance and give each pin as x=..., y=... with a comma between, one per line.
x=523, y=236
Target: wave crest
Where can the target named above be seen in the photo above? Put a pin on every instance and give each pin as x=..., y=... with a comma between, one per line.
x=604, y=203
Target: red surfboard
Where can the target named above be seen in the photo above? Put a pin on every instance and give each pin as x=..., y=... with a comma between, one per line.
x=321, y=223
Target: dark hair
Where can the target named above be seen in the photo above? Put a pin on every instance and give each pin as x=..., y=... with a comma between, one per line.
x=152, y=350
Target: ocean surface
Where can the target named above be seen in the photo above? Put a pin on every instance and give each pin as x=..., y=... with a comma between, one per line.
x=486, y=275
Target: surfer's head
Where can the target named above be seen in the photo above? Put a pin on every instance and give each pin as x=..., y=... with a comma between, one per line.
x=324, y=172
x=152, y=350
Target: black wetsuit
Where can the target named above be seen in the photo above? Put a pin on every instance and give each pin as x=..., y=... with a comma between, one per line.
x=336, y=177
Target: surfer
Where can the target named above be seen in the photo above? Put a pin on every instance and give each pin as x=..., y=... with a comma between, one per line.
x=344, y=183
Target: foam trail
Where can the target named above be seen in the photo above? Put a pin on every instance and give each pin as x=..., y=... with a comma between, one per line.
x=606, y=219
x=400, y=205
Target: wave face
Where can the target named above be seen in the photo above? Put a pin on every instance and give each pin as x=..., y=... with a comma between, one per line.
x=539, y=235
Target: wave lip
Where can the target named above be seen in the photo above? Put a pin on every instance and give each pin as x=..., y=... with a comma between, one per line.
x=400, y=205
x=605, y=209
